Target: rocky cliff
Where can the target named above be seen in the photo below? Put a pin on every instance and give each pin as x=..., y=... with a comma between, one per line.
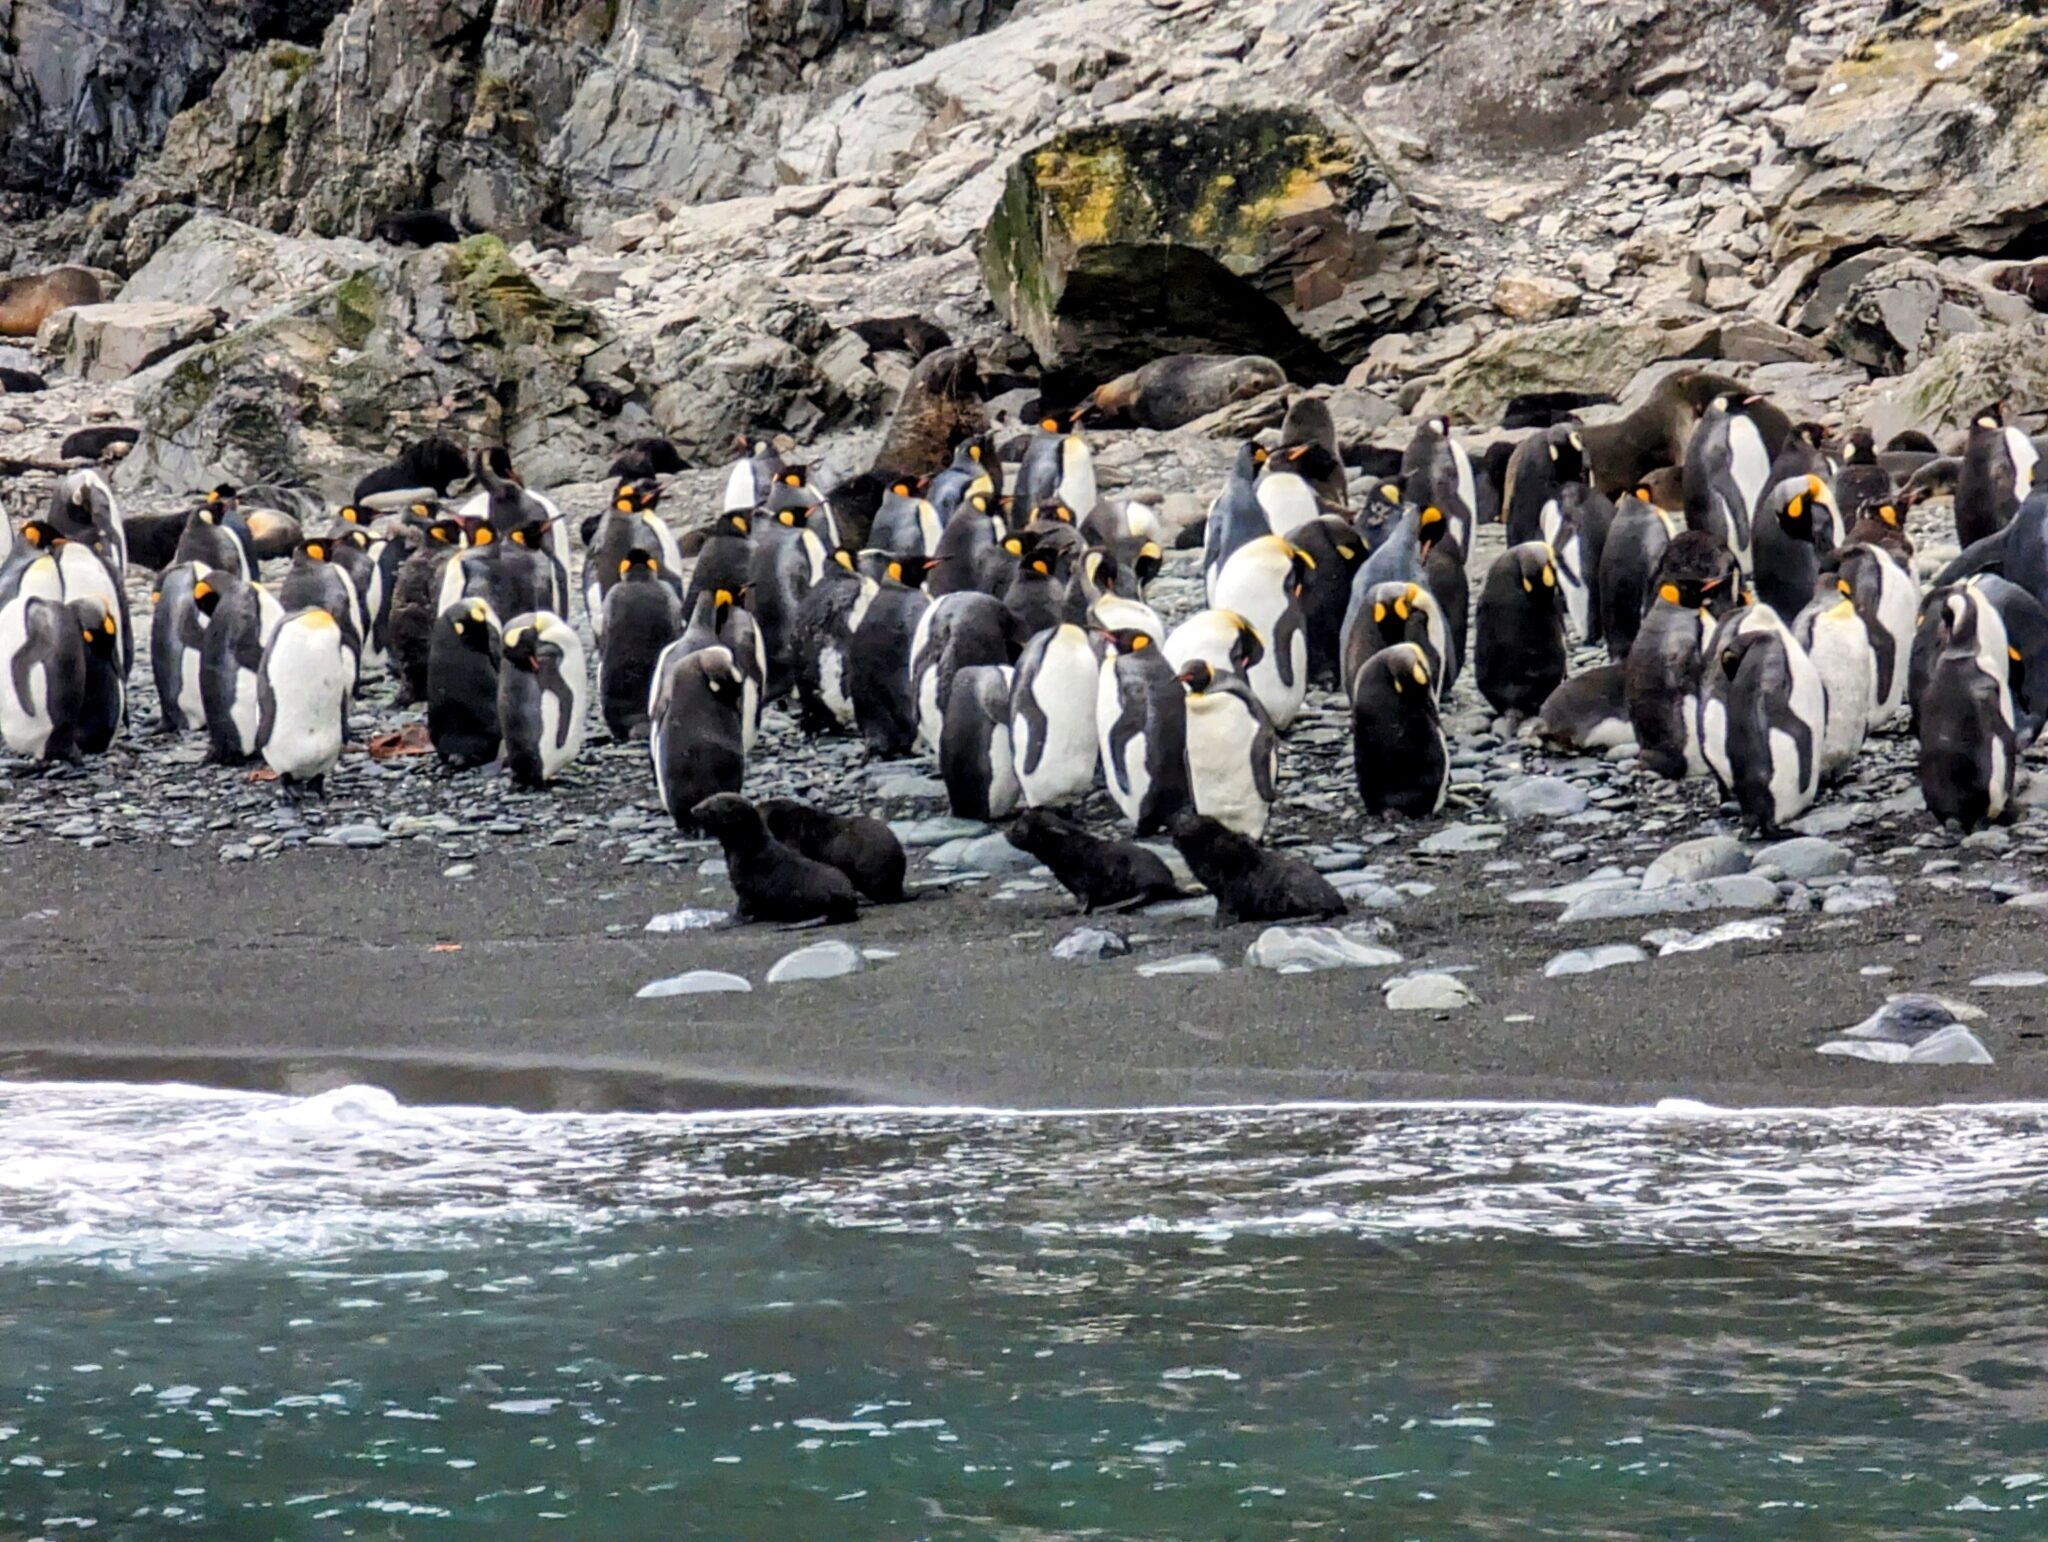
x=1418, y=206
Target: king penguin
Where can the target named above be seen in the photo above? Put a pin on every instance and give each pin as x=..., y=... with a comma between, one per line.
x=240, y=618
x=1996, y=476
x=543, y=694
x=177, y=631
x=1141, y=725
x=1397, y=740
x=1053, y=732
x=1967, y=749
x=302, y=691
x=1233, y=754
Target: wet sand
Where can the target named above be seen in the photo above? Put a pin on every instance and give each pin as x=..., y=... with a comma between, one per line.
x=321, y=968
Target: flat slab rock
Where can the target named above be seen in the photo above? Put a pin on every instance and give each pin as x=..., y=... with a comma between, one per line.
x=1742, y=891
x=1185, y=963
x=1539, y=797
x=1914, y=1029
x=819, y=961
x=1593, y=960
x=1711, y=856
x=1430, y=991
x=698, y=982
x=1303, y=949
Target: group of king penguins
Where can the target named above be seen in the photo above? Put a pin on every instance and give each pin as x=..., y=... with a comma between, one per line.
x=1759, y=605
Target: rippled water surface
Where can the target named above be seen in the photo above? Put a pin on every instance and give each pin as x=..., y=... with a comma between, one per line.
x=243, y=1316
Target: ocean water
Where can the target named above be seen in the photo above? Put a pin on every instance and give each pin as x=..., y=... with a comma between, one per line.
x=242, y=1316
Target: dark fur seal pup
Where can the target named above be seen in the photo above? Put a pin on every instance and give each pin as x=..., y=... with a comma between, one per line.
x=941, y=405
x=770, y=881
x=653, y=456
x=21, y=382
x=865, y=850
x=415, y=227
x=1251, y=883
x=1547, y=409
x=1657, y=431
x=902, y=334
x=27, y=302
x=1181, y=387
x=432, y=465
x=1102, y=875
x=93, y=443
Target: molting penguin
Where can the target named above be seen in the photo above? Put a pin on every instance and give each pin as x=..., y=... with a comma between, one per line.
x=770, y=881
x=1996, y=476
x=177, y=631
x=1437, y=473
x=957, y=631
x=721, y=619
x=42, y=668
x=1053, y=732
x=1863, y=482
x=826, y=618
x=1236, y=517
x=1968, y=753
x=866, y=850
x=1725, y=472
x=1695, y=581
x=415, y=602
x=302, y=691
x=1519, y=655
x=1777, y=724
x=462, y=685
x=1251, y=883
x=1141, y=723
x=1263, y=582
x=695, y=737
x=878, y=665
x=1233, y=755
x=974, y=751
x=1397, y=740
x=543, y=692
x=1102, y=875
x=642, y=617
x=240, y=617
x=1586, y=713
x=1537, y=472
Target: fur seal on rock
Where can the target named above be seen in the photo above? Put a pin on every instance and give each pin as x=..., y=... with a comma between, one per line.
x=27, y=302
x=1181, y=387
x=940, y=406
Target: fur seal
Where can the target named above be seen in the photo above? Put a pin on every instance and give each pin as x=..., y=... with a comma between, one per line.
x=1251, y=883
x=415, y=227
x=865, y=850
x=1102, y=875
x=1657, y=431
x=96, y=443
x=1181, y=387
x=435, y=464
x=940, y=406
x=27, y=302
x=770, y=881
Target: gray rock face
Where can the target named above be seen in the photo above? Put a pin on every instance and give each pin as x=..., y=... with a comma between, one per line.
x=112, y=342
x=1807, y=856
x=1898, y=315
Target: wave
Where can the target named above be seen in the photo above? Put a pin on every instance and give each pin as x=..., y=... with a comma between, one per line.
x=133, y=1176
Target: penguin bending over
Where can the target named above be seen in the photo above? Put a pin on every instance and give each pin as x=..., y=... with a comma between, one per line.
x=543, y=693
x=462, y=685
x=1519, y=655
x=302, y=691
x=975, y=758
x=177, y=630
x=1776, y=725
x=42, y=668
x=104, y=705
x=1968, y=752
x=1053, y=731
x=240, y=618
x=1397, y=613
x=1586, y=713
x=1397, y=739
x=694, y=711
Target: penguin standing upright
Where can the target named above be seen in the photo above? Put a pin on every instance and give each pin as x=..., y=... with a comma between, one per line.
x=1141, y=727
x=1862, y=483
x=1058, y=467
x=725, y=560
x=42, y=668
x=462, y=685
x=878, y=664
x=89, y=572
x=906, y=523
x=313, y=580
x=1309, y=427
x=240, y=617
x=720, y=620
x=1284, y=493
x=1786, y=562
x=83, y=507
x=747, y=483
x=1519, y=655
x=1053, y=732
x=1726, y=469
x=1835, y=638
x=1437, y=473
x=415, y=597
x=695, y=734
x=788, y=558
x=349, y=551
x=629, y=521
x=1398, y=613
x=1694, y=582
x=825, y=622
x=957, y=631
x=1262, y=582
x=1397, y=740
x=974, y=461
x=543, y=691
x=1540, y=467
x=642, y=617
x=1036, y=592
x=216, y=536
x=1996, y=476
x=177, y=630
x=1222, y=638
x=1777, y=726
x=103, y=706
x=1887, y=596
x=1233, y=755
x=1635, y=545
x=1336, y=553
x=1568, y=551
x=975, y=753
x=970, y=548
x=1968, y=754
x=1236, y=517
x=302, y=691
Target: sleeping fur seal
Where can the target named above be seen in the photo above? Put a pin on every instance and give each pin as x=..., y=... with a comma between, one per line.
x=1181, y=387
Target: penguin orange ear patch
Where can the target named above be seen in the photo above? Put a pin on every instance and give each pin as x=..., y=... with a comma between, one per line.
x=1549, y=576
x=1140, y=643
x=1668, y=593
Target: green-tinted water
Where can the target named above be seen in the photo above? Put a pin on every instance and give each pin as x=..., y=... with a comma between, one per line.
x=242, y=1318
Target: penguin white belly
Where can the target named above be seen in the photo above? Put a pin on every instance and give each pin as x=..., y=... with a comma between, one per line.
x=246, y=710
x=1220, y=768
x=1077, y=478
x=1116, y=771
x=2021, y=449
x=305, y=726
x=2001, y=777
x=931, y=723
x=750, y=713
x=1848, y=672
x=1571, y=569
x=24, y=724
x=1287, y=499
x=1898, y=608
x=1281, y=700
x=1791, y=795
x=832, y=682
x=1136, y=778
x=1065, y=699
x=739, y=488
x=1468, y=495
x=1004, y=790
x=452, y=584
x=190, y=702
x=1749, y=464
x=1706, y=740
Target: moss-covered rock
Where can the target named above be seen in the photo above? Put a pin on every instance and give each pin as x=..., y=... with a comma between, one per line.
x=457, y=338
x=1251, y=229
x=2006, y=363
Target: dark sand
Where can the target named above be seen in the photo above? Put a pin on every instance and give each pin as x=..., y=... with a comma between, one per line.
x=318, y=968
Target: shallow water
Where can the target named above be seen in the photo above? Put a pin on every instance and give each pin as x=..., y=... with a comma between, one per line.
x=238, y=1315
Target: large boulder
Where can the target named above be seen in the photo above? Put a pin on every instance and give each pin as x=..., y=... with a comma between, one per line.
x=455, y=338
x=234, y=268
x=1590, y=353
x=1266, y=230
x=1898, y=316
x=112, y=342
x=2007, y=363
x=1927, y=133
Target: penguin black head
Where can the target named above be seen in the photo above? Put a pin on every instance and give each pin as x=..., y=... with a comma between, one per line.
x=42, y=534
x=845, y=557
x=1991, y=417
x=446, y=532
x=1568, y=451
x=1147, y=563
x=222, y=497
x=1048, y=424
x=531, y=536
x=1058, y=513
x=1129, y=639
x=315, y=550
x=793, y=476
x=1433, y=529
x=1405, y=668
x=739, y=522
x=354, y=536
x=96, y=626
x=1198, y=677
x=473, y=625
x=522, y=647
x=980, y=503
x=1862, y=448
x=1248, y=648
x=206, y=596
x=639, y=563
x=1385, y=495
